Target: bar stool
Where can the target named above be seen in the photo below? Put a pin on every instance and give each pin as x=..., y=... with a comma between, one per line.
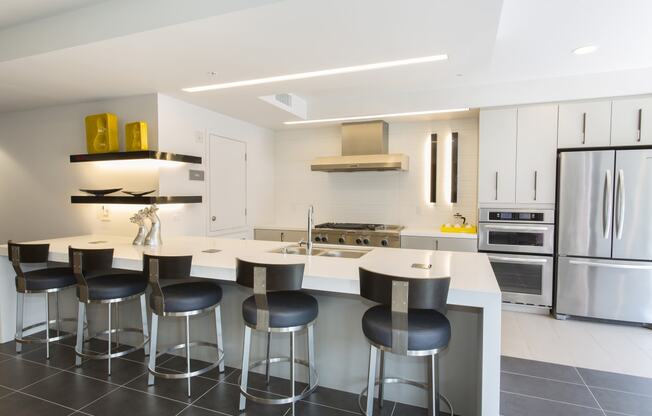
x=279, y=306
x=98, y=283
x=45, y=281
x=181, y=300
x=409, y=321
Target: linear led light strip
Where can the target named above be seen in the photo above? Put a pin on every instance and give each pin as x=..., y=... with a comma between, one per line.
x=413, y=113
x=321, y=73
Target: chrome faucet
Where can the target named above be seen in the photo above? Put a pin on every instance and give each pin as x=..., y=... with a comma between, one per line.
x=311, y=220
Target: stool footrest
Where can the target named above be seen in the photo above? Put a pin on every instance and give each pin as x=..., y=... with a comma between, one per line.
x=98, y=356
x=395, y=380
x=35, y=340
x=283, y=400
x=176, y=376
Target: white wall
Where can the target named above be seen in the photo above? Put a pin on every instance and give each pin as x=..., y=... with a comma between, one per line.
x=37, y=177
x=185, y=128
x=382, y=197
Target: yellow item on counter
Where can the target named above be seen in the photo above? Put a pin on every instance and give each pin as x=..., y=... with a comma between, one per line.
x=136, y=136
x=472, y=229
x=102, y=133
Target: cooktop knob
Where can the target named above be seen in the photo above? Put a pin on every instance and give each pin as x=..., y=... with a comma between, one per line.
x=384, y=242
x=318, y=239
x=365, y=241
x=358, y=240
x=341, y=240
x=324, y=239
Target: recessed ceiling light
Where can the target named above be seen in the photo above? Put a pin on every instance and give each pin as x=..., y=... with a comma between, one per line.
x=390, y=115
x=320, y=73
x=585, y=49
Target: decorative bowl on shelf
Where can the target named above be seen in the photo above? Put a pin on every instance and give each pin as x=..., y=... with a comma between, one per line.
x=137, y=193
x=100, y=192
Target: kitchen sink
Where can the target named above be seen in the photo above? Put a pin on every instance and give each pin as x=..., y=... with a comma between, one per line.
x=323, y=251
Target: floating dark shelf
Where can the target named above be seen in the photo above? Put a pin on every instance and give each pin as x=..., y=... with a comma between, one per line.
x=141, y=200
x=142, y=154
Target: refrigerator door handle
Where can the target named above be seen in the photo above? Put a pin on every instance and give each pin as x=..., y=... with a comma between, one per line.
x=606, y=205
x=612, y=265
x=620, y=201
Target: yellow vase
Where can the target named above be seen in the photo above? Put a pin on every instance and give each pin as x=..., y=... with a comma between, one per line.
x=102, y=133
x=136, y=136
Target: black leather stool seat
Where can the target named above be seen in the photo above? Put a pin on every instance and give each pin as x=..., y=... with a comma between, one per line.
x=50, y=278
x=116, y=286
x=427, y=329
x=286, y=309
x=193, y=296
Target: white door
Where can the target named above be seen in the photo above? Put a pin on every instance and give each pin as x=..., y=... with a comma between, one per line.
x=497, y=165
x=536, y=157
x=228, y=183
x=631, y=122
x=584, y=124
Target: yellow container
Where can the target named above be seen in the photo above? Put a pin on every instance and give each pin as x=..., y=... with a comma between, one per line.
x=136, y=136
x=463, y=229
x=102, y=133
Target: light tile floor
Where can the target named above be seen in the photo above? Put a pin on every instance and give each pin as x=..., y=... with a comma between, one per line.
x=595, y=345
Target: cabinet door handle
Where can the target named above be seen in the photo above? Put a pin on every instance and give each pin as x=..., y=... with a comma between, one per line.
x=536, y=174
x=638, y=128
x=496, y=187
x=583, y=128
x=436, y=244
x=282, y=236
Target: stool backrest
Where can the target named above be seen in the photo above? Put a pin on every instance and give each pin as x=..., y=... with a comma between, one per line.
x=265, y=278
x=26, y=254
x=86, y=261
x=403, y=294
x=157, y=268
x=422, y=293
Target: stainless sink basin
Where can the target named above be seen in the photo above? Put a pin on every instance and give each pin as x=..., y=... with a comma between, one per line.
x=323, y=251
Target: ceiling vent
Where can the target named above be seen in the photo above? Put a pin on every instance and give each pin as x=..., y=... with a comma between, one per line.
x=291, y=103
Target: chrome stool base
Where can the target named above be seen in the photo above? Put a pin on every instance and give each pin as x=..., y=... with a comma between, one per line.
x=98, y=356
x=394, y=380
x=284, y=400
x=36, y=340
x=203, y=370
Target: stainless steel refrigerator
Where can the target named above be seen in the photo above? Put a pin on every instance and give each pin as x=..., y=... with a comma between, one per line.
x=604, y=246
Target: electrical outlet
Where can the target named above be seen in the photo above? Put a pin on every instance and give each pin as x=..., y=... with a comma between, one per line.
x=104, y=214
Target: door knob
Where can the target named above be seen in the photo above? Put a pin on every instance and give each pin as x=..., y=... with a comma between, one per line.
x=213, y=218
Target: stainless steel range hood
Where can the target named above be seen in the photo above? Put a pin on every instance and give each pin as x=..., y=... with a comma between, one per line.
x=364, y=148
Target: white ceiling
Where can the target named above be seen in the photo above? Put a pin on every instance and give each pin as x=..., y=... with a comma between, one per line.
x=501, y=52
x=13, y=12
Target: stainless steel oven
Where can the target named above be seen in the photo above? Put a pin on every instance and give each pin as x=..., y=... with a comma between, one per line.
x=524, y=279
x=520, y=245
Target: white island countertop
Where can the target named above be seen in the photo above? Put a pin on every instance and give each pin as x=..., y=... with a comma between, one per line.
x=473, y=283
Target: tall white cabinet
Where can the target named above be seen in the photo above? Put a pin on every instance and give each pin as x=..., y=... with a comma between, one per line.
x=518, y=148
x=497, y=163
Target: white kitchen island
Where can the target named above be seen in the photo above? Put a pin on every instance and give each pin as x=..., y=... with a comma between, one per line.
x=470, y=367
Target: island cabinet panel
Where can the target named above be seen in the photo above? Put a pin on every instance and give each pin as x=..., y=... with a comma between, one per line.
x=439, y=243
x=584, y=124
x=497, y=170
x=536, y=154
x=279, y=235
x=631, y=121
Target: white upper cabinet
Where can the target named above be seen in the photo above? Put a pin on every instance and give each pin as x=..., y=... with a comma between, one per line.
x=497, y=164
x=631, y=121
x=536, y=158
x=584, y=124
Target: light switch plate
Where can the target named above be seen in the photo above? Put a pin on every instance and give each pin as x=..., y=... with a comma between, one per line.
x=196, y=175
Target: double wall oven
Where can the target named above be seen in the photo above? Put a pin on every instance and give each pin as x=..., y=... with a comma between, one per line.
x=520, y=247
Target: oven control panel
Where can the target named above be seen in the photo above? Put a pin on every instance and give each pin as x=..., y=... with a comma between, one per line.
x=515, y=216
x=527, y=215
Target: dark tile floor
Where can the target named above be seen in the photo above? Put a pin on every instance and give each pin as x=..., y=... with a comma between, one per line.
x=32, y=385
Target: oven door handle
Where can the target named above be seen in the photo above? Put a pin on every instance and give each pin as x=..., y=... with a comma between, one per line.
x=515, y=227
x=518, y=259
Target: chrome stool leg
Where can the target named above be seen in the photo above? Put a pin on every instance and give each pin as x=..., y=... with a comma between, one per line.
x=188, y=351
x=371, y=380
x=152, y=351
x=292, y=383
x=433, y=385
x=20, y=298
x=311, y=353
x=245, y=367
x=47, y=325
x=143, y=316
x=109, y=341
x=117, y=325
x=269, y=342
x=58, y=316
x=218, y=335
x=81, y=318
x=381, y=389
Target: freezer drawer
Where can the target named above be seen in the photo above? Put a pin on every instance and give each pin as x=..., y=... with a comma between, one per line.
x=605, y=289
